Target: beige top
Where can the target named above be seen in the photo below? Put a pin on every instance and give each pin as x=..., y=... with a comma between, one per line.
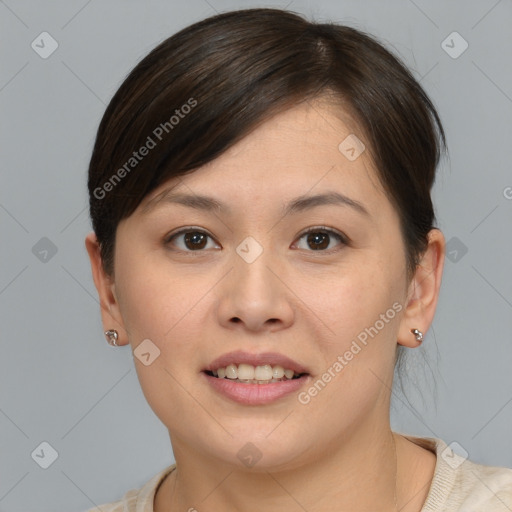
x=458, y=485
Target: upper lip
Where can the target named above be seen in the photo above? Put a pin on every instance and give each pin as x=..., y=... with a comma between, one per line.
x=271, y=358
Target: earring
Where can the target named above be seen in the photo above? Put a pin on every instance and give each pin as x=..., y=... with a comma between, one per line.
x=418, y=334
x=112, y=336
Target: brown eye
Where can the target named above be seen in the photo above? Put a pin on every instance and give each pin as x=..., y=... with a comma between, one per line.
x=195, y=240
x=192, y=240
x=319, y=239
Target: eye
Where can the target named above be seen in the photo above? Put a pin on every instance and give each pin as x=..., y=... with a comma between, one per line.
x=194, y=239
x=319, y=237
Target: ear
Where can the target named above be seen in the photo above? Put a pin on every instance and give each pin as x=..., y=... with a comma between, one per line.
x=423, y=291
x=110, y=312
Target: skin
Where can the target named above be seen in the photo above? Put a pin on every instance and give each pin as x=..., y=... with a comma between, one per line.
x=306, y=303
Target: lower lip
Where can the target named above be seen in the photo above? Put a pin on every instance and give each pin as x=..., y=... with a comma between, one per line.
x=255, y=394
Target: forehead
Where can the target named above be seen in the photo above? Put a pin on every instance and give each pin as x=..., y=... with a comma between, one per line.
x=305, y=150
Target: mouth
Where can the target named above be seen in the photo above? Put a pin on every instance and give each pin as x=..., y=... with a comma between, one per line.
x=246, y=366
x=255, y=392
x=248, y=374
x=255, y=379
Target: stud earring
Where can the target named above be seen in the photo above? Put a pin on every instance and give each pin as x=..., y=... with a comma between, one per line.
x=112, y=336
x=418, y=334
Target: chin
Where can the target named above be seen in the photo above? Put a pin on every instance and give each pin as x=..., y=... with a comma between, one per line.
x=260, y=452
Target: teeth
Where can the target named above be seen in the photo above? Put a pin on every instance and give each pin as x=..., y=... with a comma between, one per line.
x=231, y=372
x=278, y=372
x=288, y=374
x=247, y=373
x=253, y=381
x=263, y=372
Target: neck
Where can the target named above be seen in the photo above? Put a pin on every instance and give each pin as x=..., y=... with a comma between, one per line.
x=360, y=474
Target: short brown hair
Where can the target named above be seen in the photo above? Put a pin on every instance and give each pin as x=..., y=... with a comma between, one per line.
x=228, y=74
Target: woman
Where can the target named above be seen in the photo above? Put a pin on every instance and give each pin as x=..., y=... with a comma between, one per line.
x=264, y=241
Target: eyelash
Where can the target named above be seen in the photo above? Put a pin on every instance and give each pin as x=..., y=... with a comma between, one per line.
x=316, y=229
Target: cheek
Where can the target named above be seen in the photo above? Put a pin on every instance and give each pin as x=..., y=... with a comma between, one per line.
x=159, y=306
x=361, y=309
x=146, y=294
x=351, y=299
x=161, y=302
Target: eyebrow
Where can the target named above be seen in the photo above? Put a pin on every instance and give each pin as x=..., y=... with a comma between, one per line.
x=299, y=204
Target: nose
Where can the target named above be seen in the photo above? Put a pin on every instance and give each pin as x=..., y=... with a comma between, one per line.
x=254, y=296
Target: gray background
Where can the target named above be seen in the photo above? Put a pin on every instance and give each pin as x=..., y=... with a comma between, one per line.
x=60, y=381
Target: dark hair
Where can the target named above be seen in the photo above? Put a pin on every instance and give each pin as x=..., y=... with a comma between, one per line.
x=229, y=73
x=209, y=85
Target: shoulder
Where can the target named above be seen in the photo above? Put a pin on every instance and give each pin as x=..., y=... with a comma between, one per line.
x=125, y=504
x=136, y=500
x=461, y=484
x=487, y=488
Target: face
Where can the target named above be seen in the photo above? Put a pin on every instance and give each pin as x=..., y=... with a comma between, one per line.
x=247, y=276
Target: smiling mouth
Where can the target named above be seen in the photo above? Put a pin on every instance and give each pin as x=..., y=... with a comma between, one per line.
x=255, y=385
x=234, y=378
